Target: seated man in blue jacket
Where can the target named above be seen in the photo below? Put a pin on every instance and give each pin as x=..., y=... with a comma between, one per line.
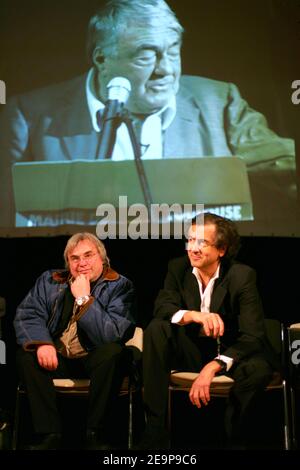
x=73, y=323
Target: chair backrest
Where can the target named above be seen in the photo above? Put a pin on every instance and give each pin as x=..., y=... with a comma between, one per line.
x=294, y=332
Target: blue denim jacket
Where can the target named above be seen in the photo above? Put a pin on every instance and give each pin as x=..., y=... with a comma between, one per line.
x=108, y=316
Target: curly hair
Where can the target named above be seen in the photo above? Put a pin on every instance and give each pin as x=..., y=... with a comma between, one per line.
x=226, y=233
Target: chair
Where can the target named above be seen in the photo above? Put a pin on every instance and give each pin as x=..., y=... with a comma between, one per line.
x=293, y=332
x=221, y=385
x=5, y=427
x=80, y=387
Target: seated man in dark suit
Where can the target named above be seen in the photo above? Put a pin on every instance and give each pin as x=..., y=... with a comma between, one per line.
x=75, y=323
x=173, y=115
x=208, y=319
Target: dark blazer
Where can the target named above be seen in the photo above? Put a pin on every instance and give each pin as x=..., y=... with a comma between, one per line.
x=53, y=123
x=212, y=119
x=235, y=298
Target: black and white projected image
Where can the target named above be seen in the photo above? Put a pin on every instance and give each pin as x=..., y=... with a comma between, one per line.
x=209, y=83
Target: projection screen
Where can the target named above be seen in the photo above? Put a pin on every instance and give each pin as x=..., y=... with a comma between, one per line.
x=224, y=137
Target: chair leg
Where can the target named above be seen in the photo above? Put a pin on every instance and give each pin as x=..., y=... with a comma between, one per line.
x=170, y=416
x=293, y=413
x=287, y=429
x=130, y=417
x=15, y=435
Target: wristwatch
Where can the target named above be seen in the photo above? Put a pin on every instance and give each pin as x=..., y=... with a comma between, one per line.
x=222, y=364
x=81, y=300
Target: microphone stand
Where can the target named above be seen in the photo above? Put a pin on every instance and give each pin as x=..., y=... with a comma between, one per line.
x=111, y=121
x=108, y=135
x=138, y=161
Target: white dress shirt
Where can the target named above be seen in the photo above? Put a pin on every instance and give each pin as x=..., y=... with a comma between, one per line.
x=152, y=129
x=205, y=296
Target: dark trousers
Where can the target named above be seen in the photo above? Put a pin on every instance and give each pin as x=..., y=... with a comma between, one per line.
x=167, y=347
x=105, y=366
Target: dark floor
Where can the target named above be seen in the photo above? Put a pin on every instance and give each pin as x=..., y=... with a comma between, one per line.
x=191, y=428
x=73, y=410
x=204, y=428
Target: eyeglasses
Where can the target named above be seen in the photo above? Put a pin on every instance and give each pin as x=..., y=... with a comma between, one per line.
x=199, y=242
x=87, y=257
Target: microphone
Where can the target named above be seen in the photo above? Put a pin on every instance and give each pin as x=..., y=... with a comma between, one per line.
x=119, y=89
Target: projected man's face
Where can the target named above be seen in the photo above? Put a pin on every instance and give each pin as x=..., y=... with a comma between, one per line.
x=150, y=60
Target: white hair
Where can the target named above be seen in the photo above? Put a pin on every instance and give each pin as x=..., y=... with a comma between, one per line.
x=78, y=237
